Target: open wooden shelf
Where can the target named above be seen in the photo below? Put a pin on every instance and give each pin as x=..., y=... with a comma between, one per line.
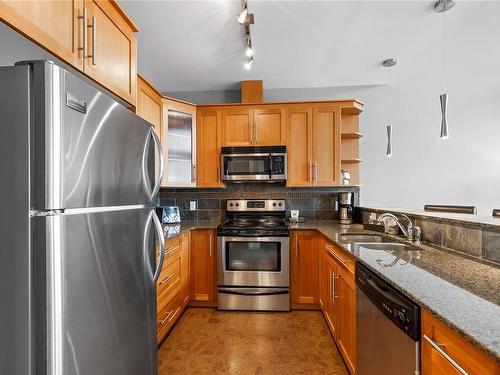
x=351, y=160
x=351, y=135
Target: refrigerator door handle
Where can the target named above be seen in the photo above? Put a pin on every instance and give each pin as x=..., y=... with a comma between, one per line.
x=161, y=239
x=160, y=157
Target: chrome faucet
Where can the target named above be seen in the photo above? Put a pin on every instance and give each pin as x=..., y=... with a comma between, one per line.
x=411, y=232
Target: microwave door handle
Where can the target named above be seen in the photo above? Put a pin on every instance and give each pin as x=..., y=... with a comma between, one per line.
x=270, y=167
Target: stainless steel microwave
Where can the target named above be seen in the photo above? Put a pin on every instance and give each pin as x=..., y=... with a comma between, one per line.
x=253, y=163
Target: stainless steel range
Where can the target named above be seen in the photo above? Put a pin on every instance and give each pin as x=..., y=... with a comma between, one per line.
x=253, y=256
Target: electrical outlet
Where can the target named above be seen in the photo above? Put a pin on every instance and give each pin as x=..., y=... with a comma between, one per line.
x=192, y=205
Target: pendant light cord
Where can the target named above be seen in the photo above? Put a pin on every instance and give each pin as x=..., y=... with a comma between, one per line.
x=444, y=52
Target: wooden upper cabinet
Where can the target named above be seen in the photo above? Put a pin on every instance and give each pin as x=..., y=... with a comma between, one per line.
x=299, y=142
x=112, y=49
x=203, y=282
x=269, y=126
x=149, y=104
x=106, y=50
x=313, y=140
x=208, y=147
x=326, y=146
x=237, y=126
x=304, y=267
x=55, y=25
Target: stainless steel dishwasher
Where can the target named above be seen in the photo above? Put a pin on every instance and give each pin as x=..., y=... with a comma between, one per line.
x=387, y=328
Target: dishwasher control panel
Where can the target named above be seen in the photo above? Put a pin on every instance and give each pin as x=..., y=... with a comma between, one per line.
x=398, y=308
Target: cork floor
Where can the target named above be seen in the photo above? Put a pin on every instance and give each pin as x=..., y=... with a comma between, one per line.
x=207, y=341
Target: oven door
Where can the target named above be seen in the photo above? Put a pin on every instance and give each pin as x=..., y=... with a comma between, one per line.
x=253, y=261
x=241, y=167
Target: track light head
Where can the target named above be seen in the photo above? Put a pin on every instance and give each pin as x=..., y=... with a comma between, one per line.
x=243, y=16
x=248, y=64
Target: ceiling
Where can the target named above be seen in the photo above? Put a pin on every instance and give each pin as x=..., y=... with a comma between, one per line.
x=199, y=45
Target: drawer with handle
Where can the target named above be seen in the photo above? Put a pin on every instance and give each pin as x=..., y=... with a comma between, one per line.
x=340, y=256
x=168, y=315
x=170, y=278
x=446, y=352
x=172, y=246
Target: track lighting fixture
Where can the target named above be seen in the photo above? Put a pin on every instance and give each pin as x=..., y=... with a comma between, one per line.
x=248, y=64
x=246, y=19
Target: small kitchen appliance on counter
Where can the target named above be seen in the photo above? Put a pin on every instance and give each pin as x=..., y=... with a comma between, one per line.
x=253, y=270
x=346, y=207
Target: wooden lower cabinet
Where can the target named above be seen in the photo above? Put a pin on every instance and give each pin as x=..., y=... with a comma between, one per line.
x=338, y=295
x=330, y=304
x=304, y=283
x=203, y=275
x=323, y=274
x=172, y=287
x=441, y=347
x=345, y=289
x=185, y=268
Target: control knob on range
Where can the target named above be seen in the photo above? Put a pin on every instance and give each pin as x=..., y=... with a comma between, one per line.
x=231, y=204
x=237, y=204
x=274, y=204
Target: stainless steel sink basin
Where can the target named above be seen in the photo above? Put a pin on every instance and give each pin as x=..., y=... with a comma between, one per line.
x=394, y=246
x=365, y=238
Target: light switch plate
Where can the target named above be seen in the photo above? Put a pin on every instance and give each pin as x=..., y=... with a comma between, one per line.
x=192, y=205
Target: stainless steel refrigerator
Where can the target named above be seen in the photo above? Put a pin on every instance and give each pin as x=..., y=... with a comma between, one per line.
x=78, y=228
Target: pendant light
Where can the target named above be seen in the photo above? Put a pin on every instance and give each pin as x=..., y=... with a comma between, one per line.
x=389, y=63
x=441, y=6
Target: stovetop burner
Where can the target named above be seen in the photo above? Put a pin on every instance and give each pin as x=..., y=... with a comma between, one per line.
x=255, y=218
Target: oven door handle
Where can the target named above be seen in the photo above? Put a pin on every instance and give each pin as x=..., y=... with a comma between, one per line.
x=254, y=292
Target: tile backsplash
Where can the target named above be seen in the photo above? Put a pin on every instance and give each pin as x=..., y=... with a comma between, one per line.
x=473, y=239
x=313, y=203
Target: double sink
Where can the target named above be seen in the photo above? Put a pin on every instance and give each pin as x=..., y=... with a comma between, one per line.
x=374, y=242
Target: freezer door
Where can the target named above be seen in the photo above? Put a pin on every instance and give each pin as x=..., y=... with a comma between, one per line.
x=88, y=150
x=95, y=294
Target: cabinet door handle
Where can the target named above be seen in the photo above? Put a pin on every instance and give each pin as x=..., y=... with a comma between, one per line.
x=330, y=284
x=310, y=171
x=446, y=356
x=210, y=246
x=333, y=286
x=256, y=132
x=94, y=39
x=316, y=171
x=335, y=277
x=167, y=317
x=193, y=173
x=250, y=132
x=84, y=34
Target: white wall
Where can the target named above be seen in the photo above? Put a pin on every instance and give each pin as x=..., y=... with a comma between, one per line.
x=464, y=169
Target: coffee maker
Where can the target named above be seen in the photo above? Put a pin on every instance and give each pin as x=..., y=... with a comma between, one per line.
x=346, y=207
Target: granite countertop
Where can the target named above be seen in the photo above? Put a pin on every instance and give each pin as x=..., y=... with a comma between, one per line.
x=463, y=293
x=174, y=230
